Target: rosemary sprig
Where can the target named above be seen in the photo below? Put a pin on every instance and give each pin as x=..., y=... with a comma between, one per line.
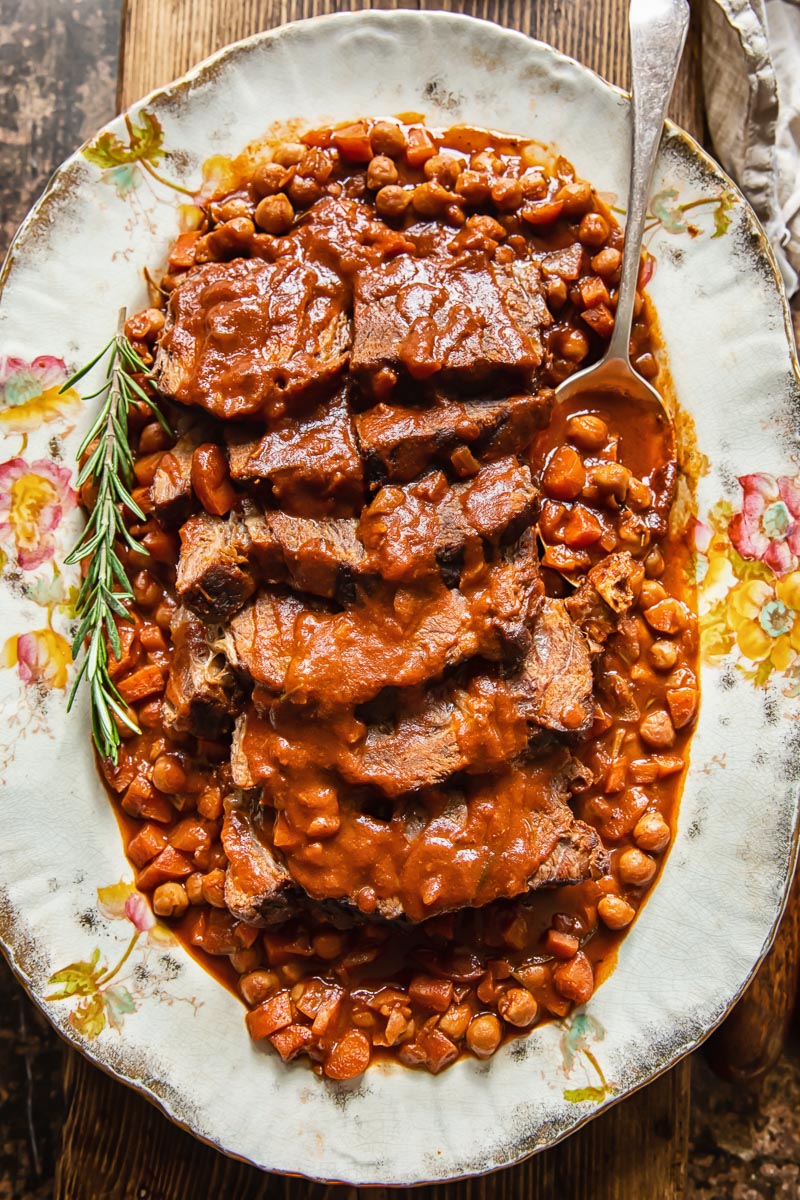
x=106, y=591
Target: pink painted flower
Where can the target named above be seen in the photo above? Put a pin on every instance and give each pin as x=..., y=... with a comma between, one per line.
x=139, y=912
x=34, y=498
x=30, y=392
x=41, y=656
x=768, y=527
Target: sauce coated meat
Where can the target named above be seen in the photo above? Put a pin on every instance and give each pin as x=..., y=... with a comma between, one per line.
x=413, y=651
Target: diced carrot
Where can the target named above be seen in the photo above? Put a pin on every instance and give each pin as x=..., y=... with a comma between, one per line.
x=600, y=319
x=353, y=142
x=142, y=800
x=582, y=528
x=560, y=945
x=146, y=844
x=430, y=993
x=349, y=1057
x=216, y=932
x=439, y=1050
x=420, y=146
x=193, y=833
x=281, y=947
x=169, y=864
x=292, y=1040
x=574, y=980
x=682, y=703
x=542, y=212
x=275, y=1013
x=130, y=650
x=182, y=256
x=593, y=291
x=147, y=681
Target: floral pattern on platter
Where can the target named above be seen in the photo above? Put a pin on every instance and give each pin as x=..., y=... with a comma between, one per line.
x=104, y=994
x=578, y=1032
x=33, y=393
x=125, y=164
x=748, y=571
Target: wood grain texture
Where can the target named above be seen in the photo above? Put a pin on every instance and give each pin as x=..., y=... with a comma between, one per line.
x=139, y=1155
x=163, y=38
x=750, y=1041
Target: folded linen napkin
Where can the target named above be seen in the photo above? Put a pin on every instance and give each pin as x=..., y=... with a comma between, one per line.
x=751, y=79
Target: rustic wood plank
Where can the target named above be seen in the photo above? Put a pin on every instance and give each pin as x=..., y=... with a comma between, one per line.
x=163, y=38
x=140, y=1155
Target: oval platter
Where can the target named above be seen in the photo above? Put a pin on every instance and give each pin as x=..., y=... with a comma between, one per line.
x=84, y=944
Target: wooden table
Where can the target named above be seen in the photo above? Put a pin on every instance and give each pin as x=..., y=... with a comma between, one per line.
x=115, y=1145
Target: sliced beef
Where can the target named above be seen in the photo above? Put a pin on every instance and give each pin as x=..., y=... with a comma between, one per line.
x=388, y=639
x=499, y=837
x=200, y=696
x=399, y=442
x=406, y=534
x=468, y=323
x=472, y=725
x=311, y=463
x=171, y=490
x=249, y=337
x=411, y=531
x=258, y=888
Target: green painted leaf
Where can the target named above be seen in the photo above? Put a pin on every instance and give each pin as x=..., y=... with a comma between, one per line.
x=145, y=144
x=78, y=979
x=668, y=212
x=118, y=1002
x=744, y=568
x=579, y=1095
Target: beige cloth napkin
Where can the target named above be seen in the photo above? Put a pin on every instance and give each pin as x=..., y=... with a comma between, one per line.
x=751, y=78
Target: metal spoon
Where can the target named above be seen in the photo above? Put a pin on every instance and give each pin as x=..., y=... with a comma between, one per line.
x=658, y=33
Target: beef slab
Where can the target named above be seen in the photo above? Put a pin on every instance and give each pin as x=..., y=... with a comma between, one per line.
x=200, y=696
x=249, y=337
x=467, y=323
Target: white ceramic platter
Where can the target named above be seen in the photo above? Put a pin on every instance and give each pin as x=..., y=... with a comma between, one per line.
x=84, y=944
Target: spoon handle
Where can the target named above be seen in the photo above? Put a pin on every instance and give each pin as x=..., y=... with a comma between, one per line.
x=658, y=33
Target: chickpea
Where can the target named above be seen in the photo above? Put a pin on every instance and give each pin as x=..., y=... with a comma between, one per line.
x=231, y=238
x=146, y=589
x=483, y=1035
x=556, y=291
x=246, y=960
x=487, y=162
x=431, y=199
x=635, y=868
x=472, y=187
x=392, y=201
x=381, y=172
x=652, y=592
x=328, y=944
x=454, y=1022
x=289, y=154
x=487, y=227
x=518, y=1007
x=444, y=168
x=639, y=495
x=213, y=887
x=607, y=263
x=656, y=729
x=573, y=345
x=303, y=191
x=145, y=326
x=587, y=431
x=667, y=616
x=275, y=213
x=654, y=563
x=663, y=655
x=652, y=833
x=611, y=479
x=257, y=986
x=269, y=179
x=169, y=775
x=646, y=364
x=194, y=887
x=170, y=900
x=507, y=194
x=614, y=912
x=387, y=139
x=593, y=229
x=576, y=196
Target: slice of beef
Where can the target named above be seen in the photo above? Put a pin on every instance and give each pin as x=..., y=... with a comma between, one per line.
x=474, y=725
x=258, y=887
x=406, y=534
x=312, y=463
x=500, y=837
x=200, y=696
x=468, y=322
x=411, y=531
x=388, y=639
x=399, y=442
x=249, y=337
x=222, y=560
x=171, y=490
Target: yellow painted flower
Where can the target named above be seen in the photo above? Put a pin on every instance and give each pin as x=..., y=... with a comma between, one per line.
x=765, y=619
x=41, y=656
x=30, y=393
x=34, y=498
